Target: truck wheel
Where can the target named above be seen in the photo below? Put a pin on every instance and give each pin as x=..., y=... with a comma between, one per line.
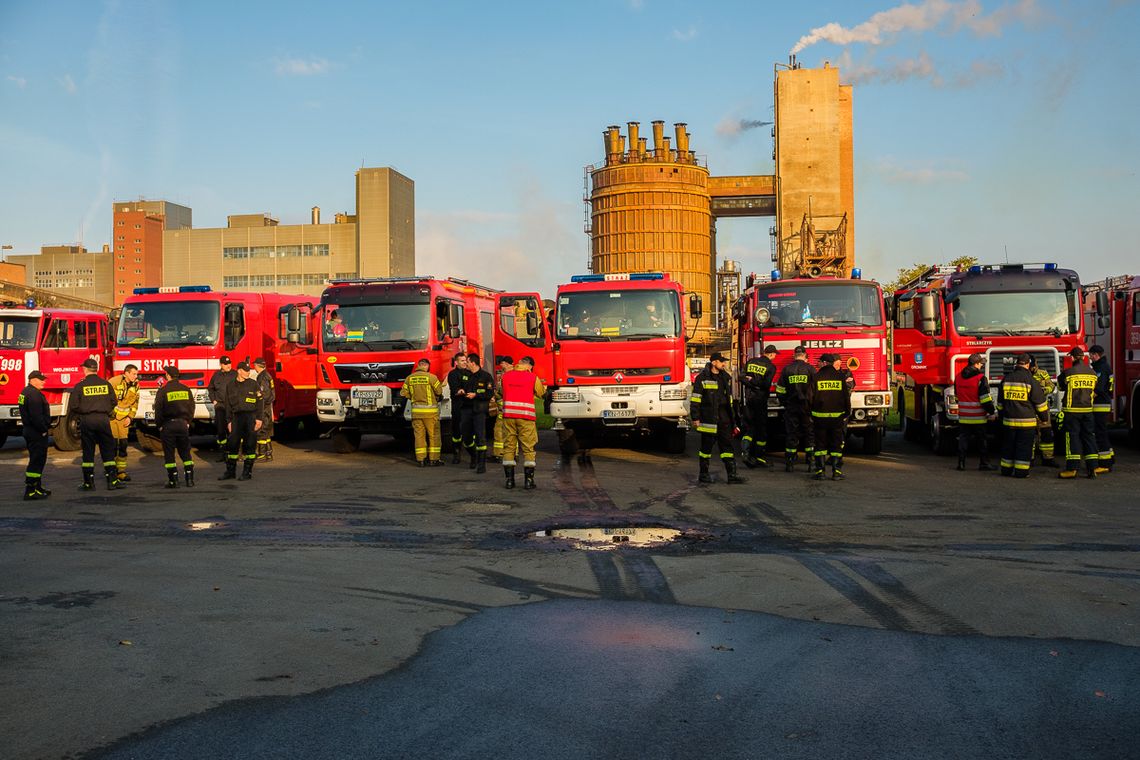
x=1134, y=423
x=675, y=443
x=66, y=433
x=910, y=430
x=3, y=439
x=941, y=440
x=346, y=441
x=148, y=441
x=873, y=441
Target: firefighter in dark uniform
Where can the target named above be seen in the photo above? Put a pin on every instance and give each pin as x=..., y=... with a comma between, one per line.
x=245, y=407
x=173, y=412
x=975, y=410
x=268, y=395
x=93, y=401
x=479, y=389
x=714, y=417
x=35, y=417
x=222, y=377
x=1023, y=406
x=1078, y=388
x=1102, y=408
x=759, y=372
x=456, y=386
x=830, y=408
x=1045, y=436
x=794, y=391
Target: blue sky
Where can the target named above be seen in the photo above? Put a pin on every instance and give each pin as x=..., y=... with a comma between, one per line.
x=980, y=127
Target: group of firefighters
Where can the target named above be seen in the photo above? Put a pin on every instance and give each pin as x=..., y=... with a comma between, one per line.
x=104, y=409
x=1021, y=403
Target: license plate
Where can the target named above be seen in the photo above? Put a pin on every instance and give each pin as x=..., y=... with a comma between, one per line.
x=202, y=397
x=618, y=413
x=366, y=395
x=14, y=411
x=148, y=416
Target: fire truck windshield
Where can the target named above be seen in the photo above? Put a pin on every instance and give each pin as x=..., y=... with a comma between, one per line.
x=169, y=324
x=617, y=315
x=821, y=303
x=1034, y=313
x=18, y=332
x=377, y=326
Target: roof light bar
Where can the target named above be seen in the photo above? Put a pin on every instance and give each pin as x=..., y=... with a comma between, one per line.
x=172, y=289
x=622, y=276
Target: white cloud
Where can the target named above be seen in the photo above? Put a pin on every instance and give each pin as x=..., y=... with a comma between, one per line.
x=68, y=84
x=300, y=66
x=916, y=174
x=18, y=81
x=685, y=35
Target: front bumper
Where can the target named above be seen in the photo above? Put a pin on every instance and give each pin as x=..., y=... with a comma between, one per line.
x=621, y=405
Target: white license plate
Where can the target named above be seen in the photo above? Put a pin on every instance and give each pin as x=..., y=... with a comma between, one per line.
x=618, y=413
x=148, y=416
x=367, y=395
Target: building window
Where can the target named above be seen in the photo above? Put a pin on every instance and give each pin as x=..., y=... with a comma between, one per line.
x=315, y=279
x=120, y=222
x=288, y=251
x=138, y=226
x=288, y=279
x=320, y=249
x=235, y=253
x=235, y=281
x=261, y=251
x=345, y=276
x=262, y=281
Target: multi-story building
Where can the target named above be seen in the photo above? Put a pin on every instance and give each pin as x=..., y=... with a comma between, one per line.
x=255, y=252
x=136, y=240
x=70, y=270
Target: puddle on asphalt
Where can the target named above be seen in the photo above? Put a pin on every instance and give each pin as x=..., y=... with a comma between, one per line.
x=205, y=525
x=610, y=537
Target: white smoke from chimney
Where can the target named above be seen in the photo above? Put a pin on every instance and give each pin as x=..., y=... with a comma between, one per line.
x=884, y=25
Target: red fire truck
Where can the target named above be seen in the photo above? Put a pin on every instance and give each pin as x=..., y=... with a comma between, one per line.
x=825, y=315
x=373, y=333
x=56, y=342
x=193, y=326
x=999, y=311
x=612, y=353
x=1112, y=313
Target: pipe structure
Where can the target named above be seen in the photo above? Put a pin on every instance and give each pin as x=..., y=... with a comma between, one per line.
x=682, y=139
x=658, y=135
x=634, y=128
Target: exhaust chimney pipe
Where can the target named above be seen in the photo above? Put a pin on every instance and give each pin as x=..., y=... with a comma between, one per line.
x=611, y=141
x=682, y=139
x=316, y=214
x=668, y=153
x=634, y=130
x=641, y=141
x=658, y=135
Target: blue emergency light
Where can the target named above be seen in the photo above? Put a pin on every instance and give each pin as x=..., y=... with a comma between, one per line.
x=612, y=277
x=856, y=274
x=975, y=269
x=30, y=303
x=1050, y=267
x=171, y=289
x=775, y=274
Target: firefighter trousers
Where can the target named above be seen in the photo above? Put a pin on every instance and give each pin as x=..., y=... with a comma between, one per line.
x=95, y=431
x=425, y=430
x=1017, y=449
x=829, y=438
x=175, y=437
x=520, y=437
x=1080, y=440
x=242, y=437
x=972, y=431
x=221, y=425
x=473, y=429
x=1105, y=453
x=798, y=431
x=1045, y=439
x=498, y=436
x=37, y=453
x=722, y=438
x=755, y=441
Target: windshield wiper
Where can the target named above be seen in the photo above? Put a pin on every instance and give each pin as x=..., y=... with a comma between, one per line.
x=642, y=336
x=848, y=322
x=392, y=343
x=597, y=338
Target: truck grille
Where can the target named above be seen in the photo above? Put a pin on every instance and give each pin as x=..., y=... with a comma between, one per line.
x=373, y=373
x=1002, y=362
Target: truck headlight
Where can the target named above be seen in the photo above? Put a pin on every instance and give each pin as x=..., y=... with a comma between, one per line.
x=566, y=395
x=325, y=401
x=674, y=394
x=873, y=399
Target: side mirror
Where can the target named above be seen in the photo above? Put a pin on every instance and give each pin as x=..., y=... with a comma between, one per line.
x=1103, y=322
x=696, y=307
x=532, y=323
x=293, y=322
x=453, y=332
x=889, y=308
x=293, y=337
x=1102, y=303
x=928, y=313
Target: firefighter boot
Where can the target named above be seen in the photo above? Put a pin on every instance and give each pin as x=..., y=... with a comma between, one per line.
x=88, y=483
x=231, y=469
x=985, y=464
x=528, y=478
x=171, y=478
x=1090, y=469
x=474, y=459
x=704, y=477
x=510, y=473
x=820, y=465
x=246, y=470
x=790, y=461
x=32, y=490
x=189, y=476
x=112, y=475
x=837, y=468
x=749, y=460
x=261, y=455
x=481, y=462
x=730, y=470
x=456, y=456
x=37, y=484
x=961, y=463
x=269, y=450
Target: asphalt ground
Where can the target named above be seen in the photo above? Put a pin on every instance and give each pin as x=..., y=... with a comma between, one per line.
x=356, y=606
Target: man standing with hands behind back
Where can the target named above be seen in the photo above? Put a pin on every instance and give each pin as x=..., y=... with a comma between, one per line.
x=222, y=377
x=35, y=417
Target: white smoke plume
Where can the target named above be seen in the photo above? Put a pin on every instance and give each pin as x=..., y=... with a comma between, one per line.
x=731, y=127
x=921, y=17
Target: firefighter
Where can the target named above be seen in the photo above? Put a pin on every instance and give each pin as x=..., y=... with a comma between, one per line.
x=714, y=416
x=268, y=396
x=479, y=389
x=35, y=417
x=830, y=408
x=520, y=421
x=1023, y=406
x=793, y=389
x=975, y=409
x=504, y=364
x=1102, y=408
x=423, y=391
x=93, y=401
x=759, y=372
x=246, y=409
x=126, y=387
x=173, y=412
x=1045, y=437
x=222, y=377
x=456, y=383
x=1078, y=388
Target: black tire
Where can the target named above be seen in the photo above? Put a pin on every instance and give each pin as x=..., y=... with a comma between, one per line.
x=66, y=433
x=873, y=441
x=910, y=429
x=148, y=441
x=346, y=441
x=942, y=438
x=676, y=440
x=3, y=439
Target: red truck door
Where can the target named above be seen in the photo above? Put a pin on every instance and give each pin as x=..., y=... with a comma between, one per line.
x=522, y=329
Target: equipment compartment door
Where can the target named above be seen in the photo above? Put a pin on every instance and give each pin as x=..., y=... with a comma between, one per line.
x=521, y=329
